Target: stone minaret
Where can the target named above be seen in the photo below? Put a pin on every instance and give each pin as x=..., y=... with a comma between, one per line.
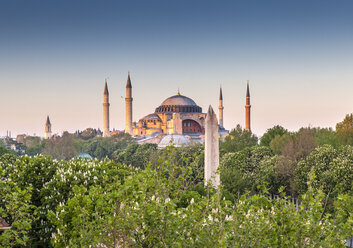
x=247, y=108
x=211, y=149
x=128, y=103
x=220, y=108
x=106, y=132
x=47, y=129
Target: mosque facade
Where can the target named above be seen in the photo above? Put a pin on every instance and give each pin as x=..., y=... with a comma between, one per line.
x=177, y=115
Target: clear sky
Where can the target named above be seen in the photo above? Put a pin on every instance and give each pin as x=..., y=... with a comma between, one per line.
x=55, y=55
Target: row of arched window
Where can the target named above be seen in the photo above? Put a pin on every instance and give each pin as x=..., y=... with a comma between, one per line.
x=173, y=108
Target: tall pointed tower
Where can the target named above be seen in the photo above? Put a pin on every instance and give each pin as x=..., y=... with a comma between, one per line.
x=47, y=129
x=220, y=108
x=128, y=104
x=106, y=132
x=247, y=108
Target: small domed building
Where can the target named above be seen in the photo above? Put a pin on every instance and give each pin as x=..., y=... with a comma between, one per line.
x=176, y=140
x=176, y=115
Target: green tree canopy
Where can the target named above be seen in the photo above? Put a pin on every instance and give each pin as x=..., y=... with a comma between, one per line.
x=344, y=130
x=16, y=210
x=88, y=133
x=61, y=148
x=333, y=169
x=245, y=170
x=144, y=210
x=271, y=134
x=238, y=139
x=326, y=136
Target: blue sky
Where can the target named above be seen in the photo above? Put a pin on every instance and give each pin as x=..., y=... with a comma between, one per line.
x=55, y=55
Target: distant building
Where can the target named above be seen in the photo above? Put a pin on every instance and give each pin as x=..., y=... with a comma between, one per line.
x=176, y=115
x=47, y=129
x=12, y=144
x=84, y=156
x=176, y=140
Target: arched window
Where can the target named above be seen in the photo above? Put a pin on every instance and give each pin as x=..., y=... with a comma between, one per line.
x=191, y=126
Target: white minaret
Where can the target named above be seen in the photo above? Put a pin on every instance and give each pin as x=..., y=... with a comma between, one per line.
x=211, y=149
x=47, y=129
x=128, y=104
x=106, y=132
x=220, y=108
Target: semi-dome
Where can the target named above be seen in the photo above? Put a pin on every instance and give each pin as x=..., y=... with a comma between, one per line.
x=151, y=117
x=178, y=103
x=178, y=100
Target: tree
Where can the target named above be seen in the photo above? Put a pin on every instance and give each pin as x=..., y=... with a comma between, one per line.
x=260, y=222
x=326, y=136
x=99, y=147
x=61, y=148
x=31, y=174
x=83, y=203
x=291, y=148
x=245, y=170
x=295, y=146
x=238, y=139
x=144, y=210
x=16, y=209
x=34, y=145
x=333, y=167
x=271, y=134
x=344, y=130
x=3, y=150
x=334, y=170
x=103, y=147
x=303, y=144
x=278, y=143
x=136, y=155
x=88, y=133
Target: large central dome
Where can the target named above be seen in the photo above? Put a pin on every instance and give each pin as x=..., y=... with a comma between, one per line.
x=178, y=100
x=178, y=103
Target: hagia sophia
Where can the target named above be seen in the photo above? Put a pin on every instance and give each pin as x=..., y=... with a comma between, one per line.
x=178, y=120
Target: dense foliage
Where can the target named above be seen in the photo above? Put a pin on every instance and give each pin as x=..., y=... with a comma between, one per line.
x=49, y=183
x=135, y=195
x=238, y=139
x=344, y=130
x=16, y=209
x=81, y=203
x=271, y=134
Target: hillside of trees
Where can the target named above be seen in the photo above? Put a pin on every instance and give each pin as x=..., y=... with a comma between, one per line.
x=135, y=195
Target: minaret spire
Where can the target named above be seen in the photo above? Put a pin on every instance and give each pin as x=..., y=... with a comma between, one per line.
x=220, y=108
x=128, y=106
x=106, y=92
x=128, y=82
x=106, y=104
x=247, y=89
x=48, y=121
x=247, y=108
